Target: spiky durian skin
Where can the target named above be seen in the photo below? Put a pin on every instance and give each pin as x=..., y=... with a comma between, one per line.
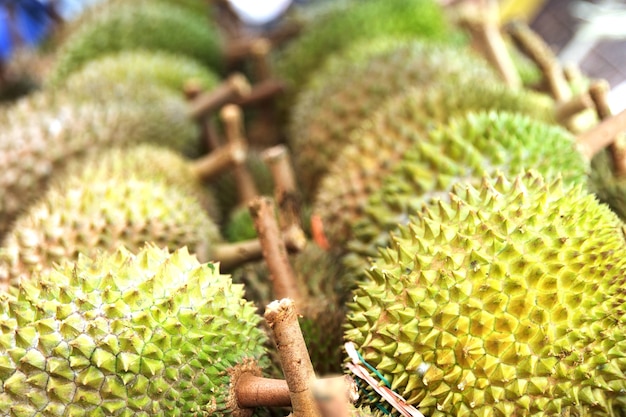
x=364, y=20
x=148, y=162
x=374, y=147
x=605, y=183
x=165, y=69
x=152, y=26
x=85, y=214
x=151, y=334
x=34, y=151
x=324, y=116
x=321, y=278
x=507, y=300
x=468, y=148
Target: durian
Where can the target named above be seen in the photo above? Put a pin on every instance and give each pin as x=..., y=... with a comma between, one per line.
x=140, y=69
x=609, y=187
x=34, y=145
x=151, y=334
x=324, y=115
x=373, y=149
x=85, y=214
x=504, y=300
x=463, y=151
x=142, y=25
x=351, y=22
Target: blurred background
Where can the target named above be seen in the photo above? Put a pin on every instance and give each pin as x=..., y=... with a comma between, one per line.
x=588, y=34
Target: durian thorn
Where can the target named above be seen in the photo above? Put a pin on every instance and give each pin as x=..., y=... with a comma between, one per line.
x=233, y=88
x=297, y=368
x=566, y=110
x=208, y=133
x=254, y=391
x=219, y=160
x=233, y=126
x=487, y=40
x=599, y=90
x=597, y=138
x=284, y=284
x=286, y=192
x=540, y=53
x=261, y=92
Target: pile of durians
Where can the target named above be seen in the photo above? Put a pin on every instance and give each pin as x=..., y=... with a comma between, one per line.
x=444, y=203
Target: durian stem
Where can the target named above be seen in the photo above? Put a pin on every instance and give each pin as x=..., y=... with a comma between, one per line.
x=232, y=255
x=540, y=53
x=286, y=192
x=233, y=126
x=487, y=39
x=234, y=88
x=239, y=49
x=227, y=19
x=256, y=391
x=219, y=160
x=599, y=94
x=294, y=358
x=566, y=110
x=274, y=252
x=208, y=134
x=261, y=92
x=604, y=133
x=283, y=33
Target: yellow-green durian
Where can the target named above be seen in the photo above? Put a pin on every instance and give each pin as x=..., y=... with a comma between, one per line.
x=467, y=148
x=609, y=186
x=501, y=300
x=140, y=69
x=35, y=145
x=122, y=334
x=374, y=148
x=139, y=25
x=145, y=161
x=324, y=115
x=85, y=214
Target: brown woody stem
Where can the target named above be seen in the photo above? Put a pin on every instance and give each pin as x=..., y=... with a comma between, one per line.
x=274, y=251
x=239, y=49
x=286, y=192
x=284, y=33
x=567, y=109
x=603, y=134
x=599, y=91
x=219, y=160
x=209, y=136
x=540, y=53
x=487, y=39
x=234, y=88
x=255, y=391
x=233, y=126
x=261, y=92
x=294, y=358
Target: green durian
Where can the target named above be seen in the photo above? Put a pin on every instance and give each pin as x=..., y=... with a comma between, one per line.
x=87, y=213
x=142, y=69
x=145, y=161
x=239, y=226
x=505, y=300
x=141, y=25
x=354, y=21
x=321, y=279
x=34, y=151
x=469, y=147
x=151, y=334
x=609, y=187
x=373, y=149
x=324, y=116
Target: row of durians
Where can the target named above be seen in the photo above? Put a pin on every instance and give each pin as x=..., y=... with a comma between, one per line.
x=495, y=295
